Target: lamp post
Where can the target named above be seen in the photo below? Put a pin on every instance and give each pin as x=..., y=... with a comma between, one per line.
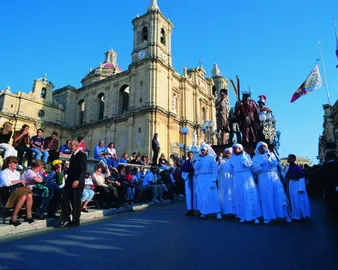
x=268, y=125
x=184, y=131
x=209, y=132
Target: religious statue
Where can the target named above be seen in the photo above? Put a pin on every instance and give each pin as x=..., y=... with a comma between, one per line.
x=261, y=105
x=222, y=115
x=247, y=113
x=234, y=127
x=194, y=139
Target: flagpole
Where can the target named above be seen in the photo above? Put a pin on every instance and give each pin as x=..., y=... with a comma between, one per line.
x=326, y=85
x=335, y=27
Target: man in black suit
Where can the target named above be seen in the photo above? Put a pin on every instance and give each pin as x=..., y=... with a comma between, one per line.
x=156, y=148
x=73, y=187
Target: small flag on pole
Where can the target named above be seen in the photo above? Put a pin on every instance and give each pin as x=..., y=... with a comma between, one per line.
x=313, y=82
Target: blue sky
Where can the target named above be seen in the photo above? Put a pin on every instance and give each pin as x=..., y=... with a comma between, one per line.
x=270, y=44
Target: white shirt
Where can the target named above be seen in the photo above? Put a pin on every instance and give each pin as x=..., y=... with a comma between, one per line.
x=7, y=176
x=112, y=152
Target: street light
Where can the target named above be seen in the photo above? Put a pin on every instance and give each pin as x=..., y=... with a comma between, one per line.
x=268, y=126
x=184, y=131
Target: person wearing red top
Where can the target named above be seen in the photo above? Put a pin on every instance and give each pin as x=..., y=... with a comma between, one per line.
x=82, y=146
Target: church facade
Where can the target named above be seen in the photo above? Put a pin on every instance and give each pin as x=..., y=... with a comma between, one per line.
x=128, y=107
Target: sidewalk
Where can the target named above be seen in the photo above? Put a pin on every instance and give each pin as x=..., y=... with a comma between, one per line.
x=93, y=214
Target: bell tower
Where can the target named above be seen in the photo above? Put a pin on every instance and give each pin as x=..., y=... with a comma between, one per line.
x=152, y=36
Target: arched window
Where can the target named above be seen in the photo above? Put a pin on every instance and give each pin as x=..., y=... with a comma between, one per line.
x=204, y=115
x=81, y=111
x=214, y=90
x=43, y=92
x=163, y=38
x=145, y=33
x=124, y=99
x=101, y=105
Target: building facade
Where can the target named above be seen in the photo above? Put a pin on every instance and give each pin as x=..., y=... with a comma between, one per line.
x=128, y=107
x=329, y=138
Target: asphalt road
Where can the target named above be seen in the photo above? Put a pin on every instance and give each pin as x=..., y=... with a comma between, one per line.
x=163, y=238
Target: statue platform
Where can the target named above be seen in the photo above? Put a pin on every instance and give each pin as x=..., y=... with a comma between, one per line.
x=249, y=148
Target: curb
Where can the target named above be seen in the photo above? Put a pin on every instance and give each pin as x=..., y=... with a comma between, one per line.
x=94, y=214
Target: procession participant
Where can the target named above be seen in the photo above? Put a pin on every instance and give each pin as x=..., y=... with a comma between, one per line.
x=271, y=191
x=190, y=184
x=225, y=184
x=207, y=193
x=299, y=201
x=245, y=193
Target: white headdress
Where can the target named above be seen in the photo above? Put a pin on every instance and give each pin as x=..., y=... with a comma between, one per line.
x=229, y=149
x=211, y=152
x=238, y=145
x=259, y=144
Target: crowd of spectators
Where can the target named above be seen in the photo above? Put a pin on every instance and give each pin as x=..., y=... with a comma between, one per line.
x=115, y=182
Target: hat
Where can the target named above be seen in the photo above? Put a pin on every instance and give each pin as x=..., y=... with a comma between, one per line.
x=56, y=162
x=262, y=99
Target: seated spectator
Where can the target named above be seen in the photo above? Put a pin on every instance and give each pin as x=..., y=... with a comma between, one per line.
x=116, y=180
x=124, y=158
x=125, y=179
x=133, y=156
x=113, y=155
x=101, y=153
x=145, y=160
x=34, y=180
x=138, y=190
x=176, y=177
x=88, y=193
x=55, y=183
x=21, y=141
x=82, y=146
x=112, y=151
x=9, y=178
x=65, y=149
x=151, y=182
x=140, y=175
x=162, y=161
x=108, y=193
x=5, y=136
x=52, y=146
x=37, y=143
x=137, y=160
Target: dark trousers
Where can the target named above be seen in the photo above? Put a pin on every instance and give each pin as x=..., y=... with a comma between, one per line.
x=71, y=198
x=29, y=154
x=155, y=156
x=108, y=195
x=54, y=204
x=53, y=155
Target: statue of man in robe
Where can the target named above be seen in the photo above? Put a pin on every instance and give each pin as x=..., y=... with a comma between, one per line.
x=222, y=114
x=247, y=113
